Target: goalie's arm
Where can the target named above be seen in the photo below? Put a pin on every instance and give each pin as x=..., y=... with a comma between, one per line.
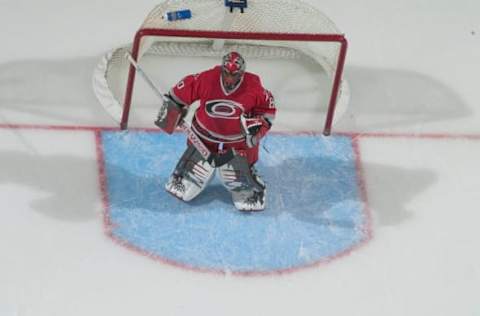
x=256, y=124
x=176, y=103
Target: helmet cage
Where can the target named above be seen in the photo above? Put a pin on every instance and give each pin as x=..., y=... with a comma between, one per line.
x=233, y=68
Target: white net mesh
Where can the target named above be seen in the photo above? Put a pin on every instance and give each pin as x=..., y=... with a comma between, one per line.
x=261, y=16
x=277, y=16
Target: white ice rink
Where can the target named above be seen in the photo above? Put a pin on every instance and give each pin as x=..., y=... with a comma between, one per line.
x=413, y=69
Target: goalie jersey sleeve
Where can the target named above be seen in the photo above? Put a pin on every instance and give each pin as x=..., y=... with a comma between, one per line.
x=265, y=111
x=217, y=118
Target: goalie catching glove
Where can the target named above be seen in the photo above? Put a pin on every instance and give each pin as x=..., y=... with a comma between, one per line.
x=254, y=129
x=170, y=114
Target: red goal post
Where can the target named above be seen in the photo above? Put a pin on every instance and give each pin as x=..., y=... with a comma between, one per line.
x=267, y=29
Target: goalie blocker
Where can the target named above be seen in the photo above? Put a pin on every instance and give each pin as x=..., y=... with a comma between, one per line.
x=170, y=115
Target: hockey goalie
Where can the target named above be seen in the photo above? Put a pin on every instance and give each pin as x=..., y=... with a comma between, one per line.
x=235, y=111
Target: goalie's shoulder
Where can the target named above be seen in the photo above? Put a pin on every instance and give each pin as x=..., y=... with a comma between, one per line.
x=252, y=78
x=207, y=76
x=203, y=75
x=253, y=83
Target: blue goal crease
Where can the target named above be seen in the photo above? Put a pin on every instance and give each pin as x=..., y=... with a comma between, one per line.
x=314, y=208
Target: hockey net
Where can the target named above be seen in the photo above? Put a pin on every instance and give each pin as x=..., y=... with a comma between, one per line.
x=267, y=30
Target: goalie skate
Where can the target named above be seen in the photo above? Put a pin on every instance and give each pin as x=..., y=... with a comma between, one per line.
x=247, y=188
x=249, y=201
x=176, y=186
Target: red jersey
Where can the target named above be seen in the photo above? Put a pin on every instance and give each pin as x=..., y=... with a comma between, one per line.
x=217, y=119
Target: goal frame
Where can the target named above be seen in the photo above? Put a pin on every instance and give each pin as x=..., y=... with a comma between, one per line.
x=265, y=36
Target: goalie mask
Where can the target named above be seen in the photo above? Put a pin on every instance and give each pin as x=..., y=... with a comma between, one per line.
x=233, y=68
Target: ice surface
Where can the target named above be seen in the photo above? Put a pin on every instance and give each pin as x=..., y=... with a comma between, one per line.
x=412, y=69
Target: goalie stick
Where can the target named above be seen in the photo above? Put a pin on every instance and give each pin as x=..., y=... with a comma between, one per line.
x=213, y=159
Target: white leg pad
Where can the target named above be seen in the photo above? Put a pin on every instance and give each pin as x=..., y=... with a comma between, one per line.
x=247, y=188
x=191, y=176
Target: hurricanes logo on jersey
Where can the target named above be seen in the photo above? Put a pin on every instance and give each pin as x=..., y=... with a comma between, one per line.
x=226, y=109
